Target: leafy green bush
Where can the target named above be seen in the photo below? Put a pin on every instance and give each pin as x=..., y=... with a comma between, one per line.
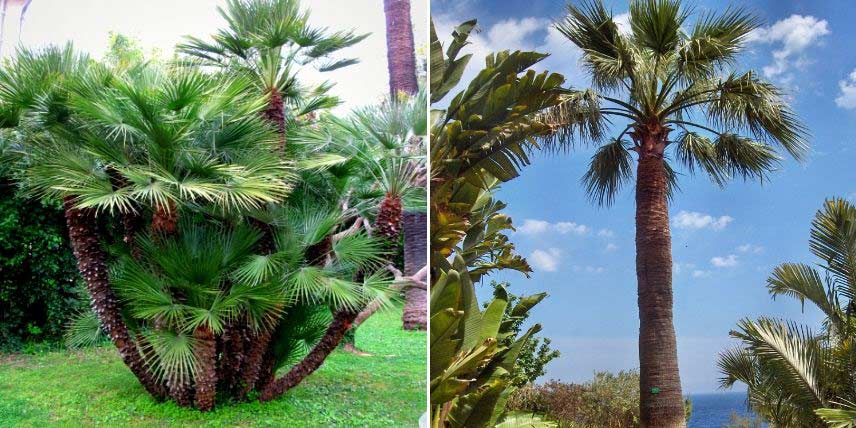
x=609, y=400
x=38, y=274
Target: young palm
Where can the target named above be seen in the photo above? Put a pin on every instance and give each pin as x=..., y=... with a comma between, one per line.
x=269, y=40
x=670, y=82
x=796, y=375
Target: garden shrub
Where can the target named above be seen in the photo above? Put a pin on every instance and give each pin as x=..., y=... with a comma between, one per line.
x=607, y=401
x=38, y=274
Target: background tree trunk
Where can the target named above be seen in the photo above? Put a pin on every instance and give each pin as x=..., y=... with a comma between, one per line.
x=401, y=58
x=415, y=257
x=92, y=263
x=661, y=400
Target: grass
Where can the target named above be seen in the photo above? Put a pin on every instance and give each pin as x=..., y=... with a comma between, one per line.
x=92, y=388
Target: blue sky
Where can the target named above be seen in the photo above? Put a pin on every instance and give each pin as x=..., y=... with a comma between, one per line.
x=725, y=242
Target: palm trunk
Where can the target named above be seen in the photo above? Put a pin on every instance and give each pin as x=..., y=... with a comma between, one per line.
x=165, y=219
x=275, y=113
x=342, y=320
x=92, y=263
x=415, y=315
x=401, y=58
x=255, y=358
x=206, y=374
x=661, y=400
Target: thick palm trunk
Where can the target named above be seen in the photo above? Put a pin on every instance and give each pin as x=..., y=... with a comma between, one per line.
x=401, y=58
x=415, y=315
x=661, y=400
x=342, y=320
x=92, y=263
x=255, y=358
x=275, y=113
x=206, y=374
x=165, y=219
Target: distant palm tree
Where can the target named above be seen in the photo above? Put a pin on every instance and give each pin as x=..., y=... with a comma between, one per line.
x=798, y=376
x=400, y=54
x=270, y=40
x=661, y=76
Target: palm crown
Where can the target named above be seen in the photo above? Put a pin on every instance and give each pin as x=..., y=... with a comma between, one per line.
x=156, y=139
x=270, y=40
x=659, y=77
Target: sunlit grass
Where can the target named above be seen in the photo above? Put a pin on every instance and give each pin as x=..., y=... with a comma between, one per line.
x=92, y=388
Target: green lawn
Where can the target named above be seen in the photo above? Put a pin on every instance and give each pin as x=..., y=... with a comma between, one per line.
x=93, y=389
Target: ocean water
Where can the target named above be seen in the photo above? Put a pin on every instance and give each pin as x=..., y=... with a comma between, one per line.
x=713, y=410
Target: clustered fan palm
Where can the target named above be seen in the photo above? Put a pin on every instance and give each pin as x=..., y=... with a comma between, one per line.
x=184, y=162
x=796, y=375
x=670, y=82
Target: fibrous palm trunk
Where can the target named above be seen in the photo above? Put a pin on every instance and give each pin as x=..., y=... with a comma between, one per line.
x=206, y=374
x=342, y=320
x=401, y=58
x=415, y=257
x=92, y=263
x=275, y=113
x=661, y=400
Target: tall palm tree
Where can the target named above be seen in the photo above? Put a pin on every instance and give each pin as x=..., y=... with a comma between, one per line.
x=797, y=375
x=400, y=54
x=668, y=74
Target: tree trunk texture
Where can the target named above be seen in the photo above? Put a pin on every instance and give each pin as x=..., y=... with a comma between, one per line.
x=235, y=339
x=275, y=113
x=415, y=315
x=661, y=399
x=206, y=375
x=92, y=263
x=255, y=358
x=400, y=54
x=388, y=220
x=165, y=219
x=342, y=320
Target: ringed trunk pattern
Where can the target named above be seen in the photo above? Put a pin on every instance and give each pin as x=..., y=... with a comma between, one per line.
x=92, y=263
x=401, y=58
x=661, y=398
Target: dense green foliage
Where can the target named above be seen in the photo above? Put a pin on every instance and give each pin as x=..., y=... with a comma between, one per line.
x=91, y=388
x=798, y=375
x=607, y=401
x=478, y=141
x=38, y=275
x=535, y=354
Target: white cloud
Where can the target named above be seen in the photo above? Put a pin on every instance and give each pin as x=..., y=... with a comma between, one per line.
x=696, y=220
x=545, y=260
x=611, y=247
x=514, y=32
x=564, y=227
x=847, y=99
x=750, y=248
x=727, y=261
x=679, y=267
x=700, y=274
x=605, y=233
x=793, y=36
x=534, y=227
x=622, y=20
x=593, y=269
